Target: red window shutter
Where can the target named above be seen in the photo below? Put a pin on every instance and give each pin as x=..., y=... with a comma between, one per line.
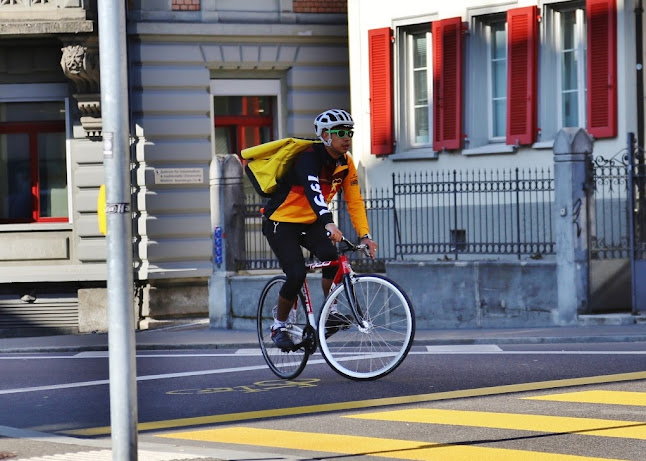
x=381, y=91
x=602, y=67
x=447, y=84
x=522, y=59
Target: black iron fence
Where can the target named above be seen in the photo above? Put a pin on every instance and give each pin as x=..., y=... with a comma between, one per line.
x=502, y=212
x=609, y=213
x=439, y=215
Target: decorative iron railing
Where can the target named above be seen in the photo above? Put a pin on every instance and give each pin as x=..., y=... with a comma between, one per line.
x=443, y=215
x=453, y=213
x=609, y=219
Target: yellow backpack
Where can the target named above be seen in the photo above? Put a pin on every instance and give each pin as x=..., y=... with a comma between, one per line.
x=268, y=162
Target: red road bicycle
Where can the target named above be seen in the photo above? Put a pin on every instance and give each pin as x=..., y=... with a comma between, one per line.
x=374, y=341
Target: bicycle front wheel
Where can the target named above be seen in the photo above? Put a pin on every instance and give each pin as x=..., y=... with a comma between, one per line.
x=375, y=343
x=284, y=364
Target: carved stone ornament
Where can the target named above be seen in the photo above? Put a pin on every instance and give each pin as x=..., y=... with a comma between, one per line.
x=80, y=64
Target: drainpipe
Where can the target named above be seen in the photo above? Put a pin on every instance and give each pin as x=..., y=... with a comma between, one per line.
x=639, y=52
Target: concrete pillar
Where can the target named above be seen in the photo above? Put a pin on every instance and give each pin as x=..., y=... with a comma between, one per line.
x=572, y=188
x=228, y=233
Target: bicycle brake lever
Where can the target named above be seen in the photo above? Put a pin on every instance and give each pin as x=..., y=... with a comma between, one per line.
x=364, y=248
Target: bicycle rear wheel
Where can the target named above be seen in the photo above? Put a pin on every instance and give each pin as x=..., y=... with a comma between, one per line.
x=286, y=365
x=378, y=344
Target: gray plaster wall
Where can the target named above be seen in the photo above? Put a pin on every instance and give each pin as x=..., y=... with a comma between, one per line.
x=475, y=294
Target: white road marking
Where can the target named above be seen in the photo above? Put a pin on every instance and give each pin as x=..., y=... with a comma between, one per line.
x=431, y=350
x=465, y=348
x=105, y=355
x=250, y=352
x=501, y=352
x=106, y=455
x=457, y=349
x=139, y=378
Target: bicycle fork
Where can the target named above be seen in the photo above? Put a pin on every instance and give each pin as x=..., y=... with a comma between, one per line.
x=345, y=276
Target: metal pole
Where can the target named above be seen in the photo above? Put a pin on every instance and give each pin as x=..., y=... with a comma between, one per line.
x=121, y=334
x=455, y=213
x=639, y=55
x=631, y=219
x=518, y=239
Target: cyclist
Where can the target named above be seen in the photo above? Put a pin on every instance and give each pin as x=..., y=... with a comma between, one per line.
x=297, y=214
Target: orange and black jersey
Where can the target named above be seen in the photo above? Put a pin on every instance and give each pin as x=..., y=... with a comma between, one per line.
x=310, y=184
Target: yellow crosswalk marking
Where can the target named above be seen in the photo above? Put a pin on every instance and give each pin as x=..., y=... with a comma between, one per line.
x=367, y=446
x=522, y=422
x=602, y=397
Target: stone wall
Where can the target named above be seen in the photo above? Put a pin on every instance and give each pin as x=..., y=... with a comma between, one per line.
x=474, y=294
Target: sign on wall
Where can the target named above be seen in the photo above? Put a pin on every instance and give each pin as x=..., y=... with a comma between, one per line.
x=179, y=175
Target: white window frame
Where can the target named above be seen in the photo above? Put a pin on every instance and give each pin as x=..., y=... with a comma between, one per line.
x=407, y=147
x=410, y=106
x=580, y=49
x=478, y=87
x=490, y=83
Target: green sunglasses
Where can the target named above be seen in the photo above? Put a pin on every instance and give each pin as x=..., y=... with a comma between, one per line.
x=343, y=133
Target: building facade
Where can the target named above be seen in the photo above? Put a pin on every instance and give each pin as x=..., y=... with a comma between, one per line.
x=475, y=84
x=206, y=79
x=486, y=86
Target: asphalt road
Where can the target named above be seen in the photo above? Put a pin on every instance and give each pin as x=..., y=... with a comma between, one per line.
x=189, y=392
x=71, y=392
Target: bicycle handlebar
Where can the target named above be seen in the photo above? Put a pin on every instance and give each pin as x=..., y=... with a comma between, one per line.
x=352, y=247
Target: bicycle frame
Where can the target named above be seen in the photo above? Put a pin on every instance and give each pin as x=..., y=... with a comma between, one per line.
x=343, y=272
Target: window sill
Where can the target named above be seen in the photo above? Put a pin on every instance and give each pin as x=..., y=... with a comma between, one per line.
x=543, y=145
x=58, y=226
x=415, y=154
x=490, y=149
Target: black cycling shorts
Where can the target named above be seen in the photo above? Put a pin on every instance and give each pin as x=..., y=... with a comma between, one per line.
x=286, y=239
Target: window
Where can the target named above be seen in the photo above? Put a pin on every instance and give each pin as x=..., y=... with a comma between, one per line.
x=580, y=68
x=486, y=83
x=33, y=168
x=502, y=80
x=421, y=95
x=497, y=73
x=416, y=87
x=571, y=40
x=429, y=87
x=244, y=121
x=241, y=122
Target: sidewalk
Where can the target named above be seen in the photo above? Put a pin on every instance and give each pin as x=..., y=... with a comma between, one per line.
x=199, y=335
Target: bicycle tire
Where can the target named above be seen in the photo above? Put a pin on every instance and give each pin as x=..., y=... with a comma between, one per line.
x=286, y=365
x=379, y=346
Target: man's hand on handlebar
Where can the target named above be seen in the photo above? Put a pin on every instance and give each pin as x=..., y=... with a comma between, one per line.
x=334, y=232
x=371, y=246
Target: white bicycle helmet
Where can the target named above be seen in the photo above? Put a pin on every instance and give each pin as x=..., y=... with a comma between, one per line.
x=329, y=119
